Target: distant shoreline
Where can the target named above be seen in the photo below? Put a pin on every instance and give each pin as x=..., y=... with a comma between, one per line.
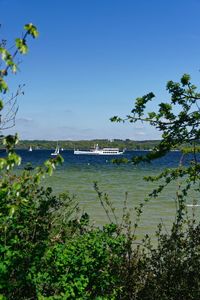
x=87, y=144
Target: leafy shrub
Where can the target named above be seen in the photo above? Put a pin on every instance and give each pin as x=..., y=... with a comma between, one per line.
x=173, y=266
x=85, y=266
x=30, y=217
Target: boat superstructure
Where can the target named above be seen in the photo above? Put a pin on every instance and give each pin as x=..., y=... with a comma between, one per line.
x=97, y=151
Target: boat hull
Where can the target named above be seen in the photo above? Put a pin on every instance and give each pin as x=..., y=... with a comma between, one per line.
x=82, y=152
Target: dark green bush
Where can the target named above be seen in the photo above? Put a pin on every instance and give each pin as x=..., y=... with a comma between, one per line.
x=173, y=266
x=84, y=267
x=30, y=217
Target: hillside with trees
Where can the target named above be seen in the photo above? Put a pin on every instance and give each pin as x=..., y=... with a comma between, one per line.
x=87, y=144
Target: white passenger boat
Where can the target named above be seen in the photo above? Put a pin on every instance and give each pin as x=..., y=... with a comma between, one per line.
x=97, y=151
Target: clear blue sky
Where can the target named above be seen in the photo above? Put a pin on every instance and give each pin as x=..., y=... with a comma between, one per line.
x=94, y=57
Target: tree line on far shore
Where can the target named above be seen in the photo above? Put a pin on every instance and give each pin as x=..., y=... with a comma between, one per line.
x=87, y=144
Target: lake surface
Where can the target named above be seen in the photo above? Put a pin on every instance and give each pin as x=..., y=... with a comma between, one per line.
x=78, y=173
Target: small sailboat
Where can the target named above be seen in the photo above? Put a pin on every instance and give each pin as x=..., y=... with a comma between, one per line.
x=57, y=150
x=30, y=149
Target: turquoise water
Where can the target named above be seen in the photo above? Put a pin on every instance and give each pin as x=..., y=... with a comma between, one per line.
x=78, y=173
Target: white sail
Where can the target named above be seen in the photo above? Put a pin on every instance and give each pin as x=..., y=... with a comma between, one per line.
x=57, y=151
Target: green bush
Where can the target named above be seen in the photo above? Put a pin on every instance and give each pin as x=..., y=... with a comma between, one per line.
x=30, y=217
x=84, y=267
x=173, y=266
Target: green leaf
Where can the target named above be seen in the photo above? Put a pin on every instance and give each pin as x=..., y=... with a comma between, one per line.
x=1, y=104
x=14, y=68
x=21, y=45
x=32, y=30
x=5, y=55
x=115, y=119
x=2, y=163
x=185, y=79
x=3, y=86
x=59, y=159
x=152, y=115
x=16, y=186
x=12, y=210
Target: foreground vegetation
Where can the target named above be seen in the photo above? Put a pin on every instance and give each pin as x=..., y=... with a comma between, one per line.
x=50, y=250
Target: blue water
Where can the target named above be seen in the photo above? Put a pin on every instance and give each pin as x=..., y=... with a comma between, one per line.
x=39, y=156
x=79, y=172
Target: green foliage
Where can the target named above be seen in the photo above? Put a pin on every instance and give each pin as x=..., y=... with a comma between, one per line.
x=85, y=267
x=32, y=30
x=178, y=120
x=173, y=267
x=21, y=45
x=3, y=86
x=30, y=218
x=88, y=144
x=8, y=63
x=51, y=164
x=140, y=104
